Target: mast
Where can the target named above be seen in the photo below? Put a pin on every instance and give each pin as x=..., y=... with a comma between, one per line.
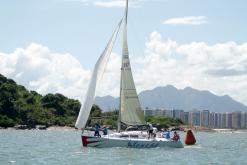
x=130, y=112
x=124, y=51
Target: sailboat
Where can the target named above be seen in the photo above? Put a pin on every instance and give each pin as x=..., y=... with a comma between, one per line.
x=130, y=112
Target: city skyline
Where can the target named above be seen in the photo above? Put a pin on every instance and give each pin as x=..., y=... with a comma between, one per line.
x=204, y=118
x=51, y=46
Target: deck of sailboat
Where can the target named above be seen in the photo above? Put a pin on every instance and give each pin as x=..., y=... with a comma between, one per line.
x=132, y=139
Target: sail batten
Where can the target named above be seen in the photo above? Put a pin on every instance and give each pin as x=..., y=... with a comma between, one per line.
x=98, y=72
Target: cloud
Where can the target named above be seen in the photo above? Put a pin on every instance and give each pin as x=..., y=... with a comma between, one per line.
x=220, y=68
x=191, y=20
x=37, y=68
x=227, y=72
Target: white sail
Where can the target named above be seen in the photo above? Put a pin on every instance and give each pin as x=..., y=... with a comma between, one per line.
x=130, y=109
x=96, y=76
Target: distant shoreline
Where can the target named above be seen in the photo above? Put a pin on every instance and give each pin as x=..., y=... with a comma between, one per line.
x=51, y=128
x=205, y=129
x=194, y=129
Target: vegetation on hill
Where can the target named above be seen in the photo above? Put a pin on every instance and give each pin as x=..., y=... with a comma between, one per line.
x=104, y=118
x=18, y=106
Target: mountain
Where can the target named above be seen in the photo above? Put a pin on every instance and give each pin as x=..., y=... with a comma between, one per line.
x=170, y=97
x=107, y=103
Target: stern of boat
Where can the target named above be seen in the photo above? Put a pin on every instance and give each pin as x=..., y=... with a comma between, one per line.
x=91, y=141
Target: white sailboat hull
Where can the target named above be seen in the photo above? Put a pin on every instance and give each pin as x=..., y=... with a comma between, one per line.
x=108, y=141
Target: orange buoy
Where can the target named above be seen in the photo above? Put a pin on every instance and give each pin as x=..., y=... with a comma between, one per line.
x=190, y=138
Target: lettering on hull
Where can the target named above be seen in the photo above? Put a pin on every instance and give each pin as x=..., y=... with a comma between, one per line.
x=134, y=144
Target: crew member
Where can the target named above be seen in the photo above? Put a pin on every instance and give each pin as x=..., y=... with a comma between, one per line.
x=150, y=130
x=175, y=136
x=97, y=127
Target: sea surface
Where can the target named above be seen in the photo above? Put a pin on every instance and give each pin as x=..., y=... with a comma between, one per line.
x=63, y=147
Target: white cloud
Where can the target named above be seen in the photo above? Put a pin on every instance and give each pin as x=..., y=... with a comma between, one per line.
x=220, y=68
x=191, y=20
x=37, y=68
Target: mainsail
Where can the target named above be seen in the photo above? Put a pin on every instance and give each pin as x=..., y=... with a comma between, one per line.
x=96, y=76
x=130, y=109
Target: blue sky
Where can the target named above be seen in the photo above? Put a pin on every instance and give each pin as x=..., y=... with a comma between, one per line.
x=82, y=28
x=52, y=45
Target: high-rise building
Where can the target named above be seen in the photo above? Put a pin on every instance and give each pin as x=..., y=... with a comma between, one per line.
x=223, y=120
x=205, y=118
x=228, y=120
x=211, y=120
x=169, y=113
x=236, y=120
x=194, y=118
x=177, y=113
x=216, y=120
x=243, y=120
x=219, y=120
x=185, y=117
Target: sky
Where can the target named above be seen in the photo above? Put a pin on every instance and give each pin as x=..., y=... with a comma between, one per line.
x=51, y=46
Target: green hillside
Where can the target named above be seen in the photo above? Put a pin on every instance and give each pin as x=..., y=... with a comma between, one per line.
x=18, y=106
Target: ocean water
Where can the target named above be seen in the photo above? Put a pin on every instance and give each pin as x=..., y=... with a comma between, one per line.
x=63, y=147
